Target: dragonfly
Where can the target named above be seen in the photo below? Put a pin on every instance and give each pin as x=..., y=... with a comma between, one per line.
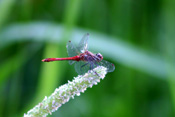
x=83, y=59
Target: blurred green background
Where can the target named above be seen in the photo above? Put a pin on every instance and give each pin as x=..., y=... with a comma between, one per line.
x=136, y=35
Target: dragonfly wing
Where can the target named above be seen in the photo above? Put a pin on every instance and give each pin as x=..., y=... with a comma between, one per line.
x=110, y=66
x=83, y=45
x=82, y=67
x=71, y=50
x=71, y=62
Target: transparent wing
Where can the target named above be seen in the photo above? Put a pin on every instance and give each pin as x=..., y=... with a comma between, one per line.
x=83, y=45
x=110, y=66
x=82, y=67
x=71, y=50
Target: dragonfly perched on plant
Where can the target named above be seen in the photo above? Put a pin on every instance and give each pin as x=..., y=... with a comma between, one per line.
x=84, y=60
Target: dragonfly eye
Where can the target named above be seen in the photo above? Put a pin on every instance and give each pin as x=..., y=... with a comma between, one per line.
x=100, y=57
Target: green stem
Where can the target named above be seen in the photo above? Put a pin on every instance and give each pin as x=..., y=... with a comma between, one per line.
x=67, y=91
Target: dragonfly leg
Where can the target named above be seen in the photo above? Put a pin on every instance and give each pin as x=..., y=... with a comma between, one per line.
x=92, y=66
x=96, y=64
x=84, y=65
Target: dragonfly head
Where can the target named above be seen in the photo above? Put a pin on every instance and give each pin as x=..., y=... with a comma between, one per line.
x=99, y=56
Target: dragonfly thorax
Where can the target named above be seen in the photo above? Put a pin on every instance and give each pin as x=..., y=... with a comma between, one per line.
x=90, y=57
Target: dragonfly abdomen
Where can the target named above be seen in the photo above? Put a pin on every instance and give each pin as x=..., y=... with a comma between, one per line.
x=75, y=58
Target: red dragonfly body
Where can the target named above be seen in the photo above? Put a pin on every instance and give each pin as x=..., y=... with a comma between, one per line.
x=86, y=56
x=84, y=59
x=74, y=58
